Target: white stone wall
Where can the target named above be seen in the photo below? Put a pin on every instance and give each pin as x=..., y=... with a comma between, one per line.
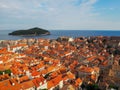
x=61, y=84
x=44, y=86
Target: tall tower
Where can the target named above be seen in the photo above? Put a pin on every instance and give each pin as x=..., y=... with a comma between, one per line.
x=8, y=47
x=118, y=44
x=111, y=59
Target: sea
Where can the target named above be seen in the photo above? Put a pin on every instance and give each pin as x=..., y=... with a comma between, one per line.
x=58, y=33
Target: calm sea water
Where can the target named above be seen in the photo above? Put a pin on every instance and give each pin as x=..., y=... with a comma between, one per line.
x=57, y=33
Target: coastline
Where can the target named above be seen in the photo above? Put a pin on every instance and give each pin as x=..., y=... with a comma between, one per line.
x=58, y=33
x=32, y=34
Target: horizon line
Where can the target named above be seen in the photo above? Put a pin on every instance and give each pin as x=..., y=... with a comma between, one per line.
x=75, y=29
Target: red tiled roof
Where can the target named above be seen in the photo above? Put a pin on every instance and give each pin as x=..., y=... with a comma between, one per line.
x=86, y=69
x=54, y=82
x=5, y=76
x=7, y=85
x=91, y=58
x=78, y=82
x=37, y=81
x=23, y=78
x=35, y=73
x=50, y=84
x=93, y=77
x=27, y=85
x=70, y=75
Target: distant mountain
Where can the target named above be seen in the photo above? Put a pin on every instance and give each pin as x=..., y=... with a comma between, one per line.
x=30, y=32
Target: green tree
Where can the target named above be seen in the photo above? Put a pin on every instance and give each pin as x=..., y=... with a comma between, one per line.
x=92, y=87
x=7, y=71
x=1, y=72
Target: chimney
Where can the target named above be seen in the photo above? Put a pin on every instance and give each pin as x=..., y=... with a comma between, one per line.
x=12, y=82
x=3, y=73
x=40, y=83
x=44, y=81
x=8, y=48
x=11, y=74
x=18, y=79
x=118, y=44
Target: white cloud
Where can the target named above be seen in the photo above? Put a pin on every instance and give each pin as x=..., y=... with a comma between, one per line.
x=51, y=14
x=3, y=6
x=111, y=8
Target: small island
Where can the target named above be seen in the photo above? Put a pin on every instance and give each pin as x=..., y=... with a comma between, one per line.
x=30, y=32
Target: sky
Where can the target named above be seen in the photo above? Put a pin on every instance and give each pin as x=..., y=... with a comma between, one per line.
x=60, y=14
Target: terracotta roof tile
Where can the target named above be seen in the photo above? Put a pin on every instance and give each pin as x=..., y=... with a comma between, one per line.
x=49, y=69
x=7, y=85
x=93, y=77
x=23, y=78
x=70, y=75
x=54, y=82
x=27, y=85
x=35, y=82
x=3, y=77
x=50, y=84
x=78, y=82
x=91, y=58
x=86, y=69
x=35, y=73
